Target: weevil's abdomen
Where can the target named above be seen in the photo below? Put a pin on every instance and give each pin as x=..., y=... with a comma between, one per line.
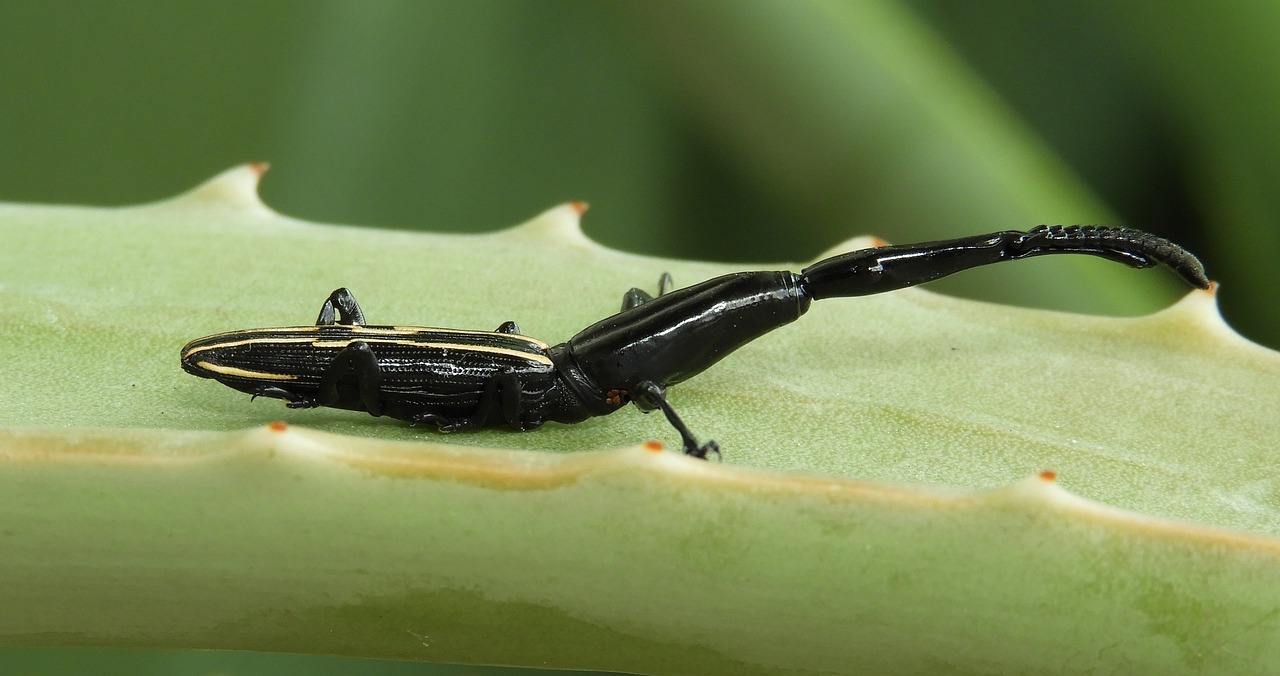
x=432, y=370
x=246, y=359
x=680, y=334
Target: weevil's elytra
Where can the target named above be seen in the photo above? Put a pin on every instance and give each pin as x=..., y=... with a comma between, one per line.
x=456, y=379
x=420, y=370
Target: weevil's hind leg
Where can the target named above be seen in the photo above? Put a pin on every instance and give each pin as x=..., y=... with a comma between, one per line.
x=636, y=297
x=292, y=399
x=509, y=327
x=648, y=396
x=348, y=310
x=358, y=359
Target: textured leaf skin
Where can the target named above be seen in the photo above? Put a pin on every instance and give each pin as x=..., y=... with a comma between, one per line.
x=888, y=524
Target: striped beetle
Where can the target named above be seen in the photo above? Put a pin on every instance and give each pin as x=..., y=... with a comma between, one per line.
x=460, y=380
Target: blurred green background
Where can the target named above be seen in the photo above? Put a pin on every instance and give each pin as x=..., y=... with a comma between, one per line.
x=742, y=131
x=752, y=131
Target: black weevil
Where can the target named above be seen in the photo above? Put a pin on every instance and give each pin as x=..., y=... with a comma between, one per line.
x=460, y=380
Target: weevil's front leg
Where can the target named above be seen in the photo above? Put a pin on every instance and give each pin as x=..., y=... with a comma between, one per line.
x=358, y=359
x=636, y=296
x=347, y=308
x=648, y=396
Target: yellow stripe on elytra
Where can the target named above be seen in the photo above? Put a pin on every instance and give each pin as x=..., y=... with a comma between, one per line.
x=399, y=331
x=537, y=358
x=370, y=331
x=533, y=342
x=541, y=359
x=243, y=373
x=246, y=341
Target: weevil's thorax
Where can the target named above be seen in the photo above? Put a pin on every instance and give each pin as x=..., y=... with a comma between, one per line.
x=680, y=334
x=575, y=397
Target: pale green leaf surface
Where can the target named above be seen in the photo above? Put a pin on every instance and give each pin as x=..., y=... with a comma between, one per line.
x=878, y=508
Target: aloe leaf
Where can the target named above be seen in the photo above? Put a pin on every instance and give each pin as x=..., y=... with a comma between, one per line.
x=886, y=502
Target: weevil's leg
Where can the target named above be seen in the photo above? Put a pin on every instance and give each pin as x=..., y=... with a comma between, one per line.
x=664, y=284
x=358, y=359
x=510, y=392
x=347, y=308
x=292, y=399
x=886, y=268
x=504, y=393
x=442, y=422
x=489, y=400
x=501, y=394
x=509, y=327
x=636, y=297
x=648, y=396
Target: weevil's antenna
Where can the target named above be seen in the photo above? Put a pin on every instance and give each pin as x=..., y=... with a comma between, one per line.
x=886, y=268
x=1134, y=248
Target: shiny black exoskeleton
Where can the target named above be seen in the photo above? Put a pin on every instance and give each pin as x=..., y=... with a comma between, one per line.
x=466, y=379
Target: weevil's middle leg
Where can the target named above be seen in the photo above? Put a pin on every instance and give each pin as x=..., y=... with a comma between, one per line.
x=636, y=297
x=356, y=358
x=648, y=396
x=346, y=306
x=501, y=394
